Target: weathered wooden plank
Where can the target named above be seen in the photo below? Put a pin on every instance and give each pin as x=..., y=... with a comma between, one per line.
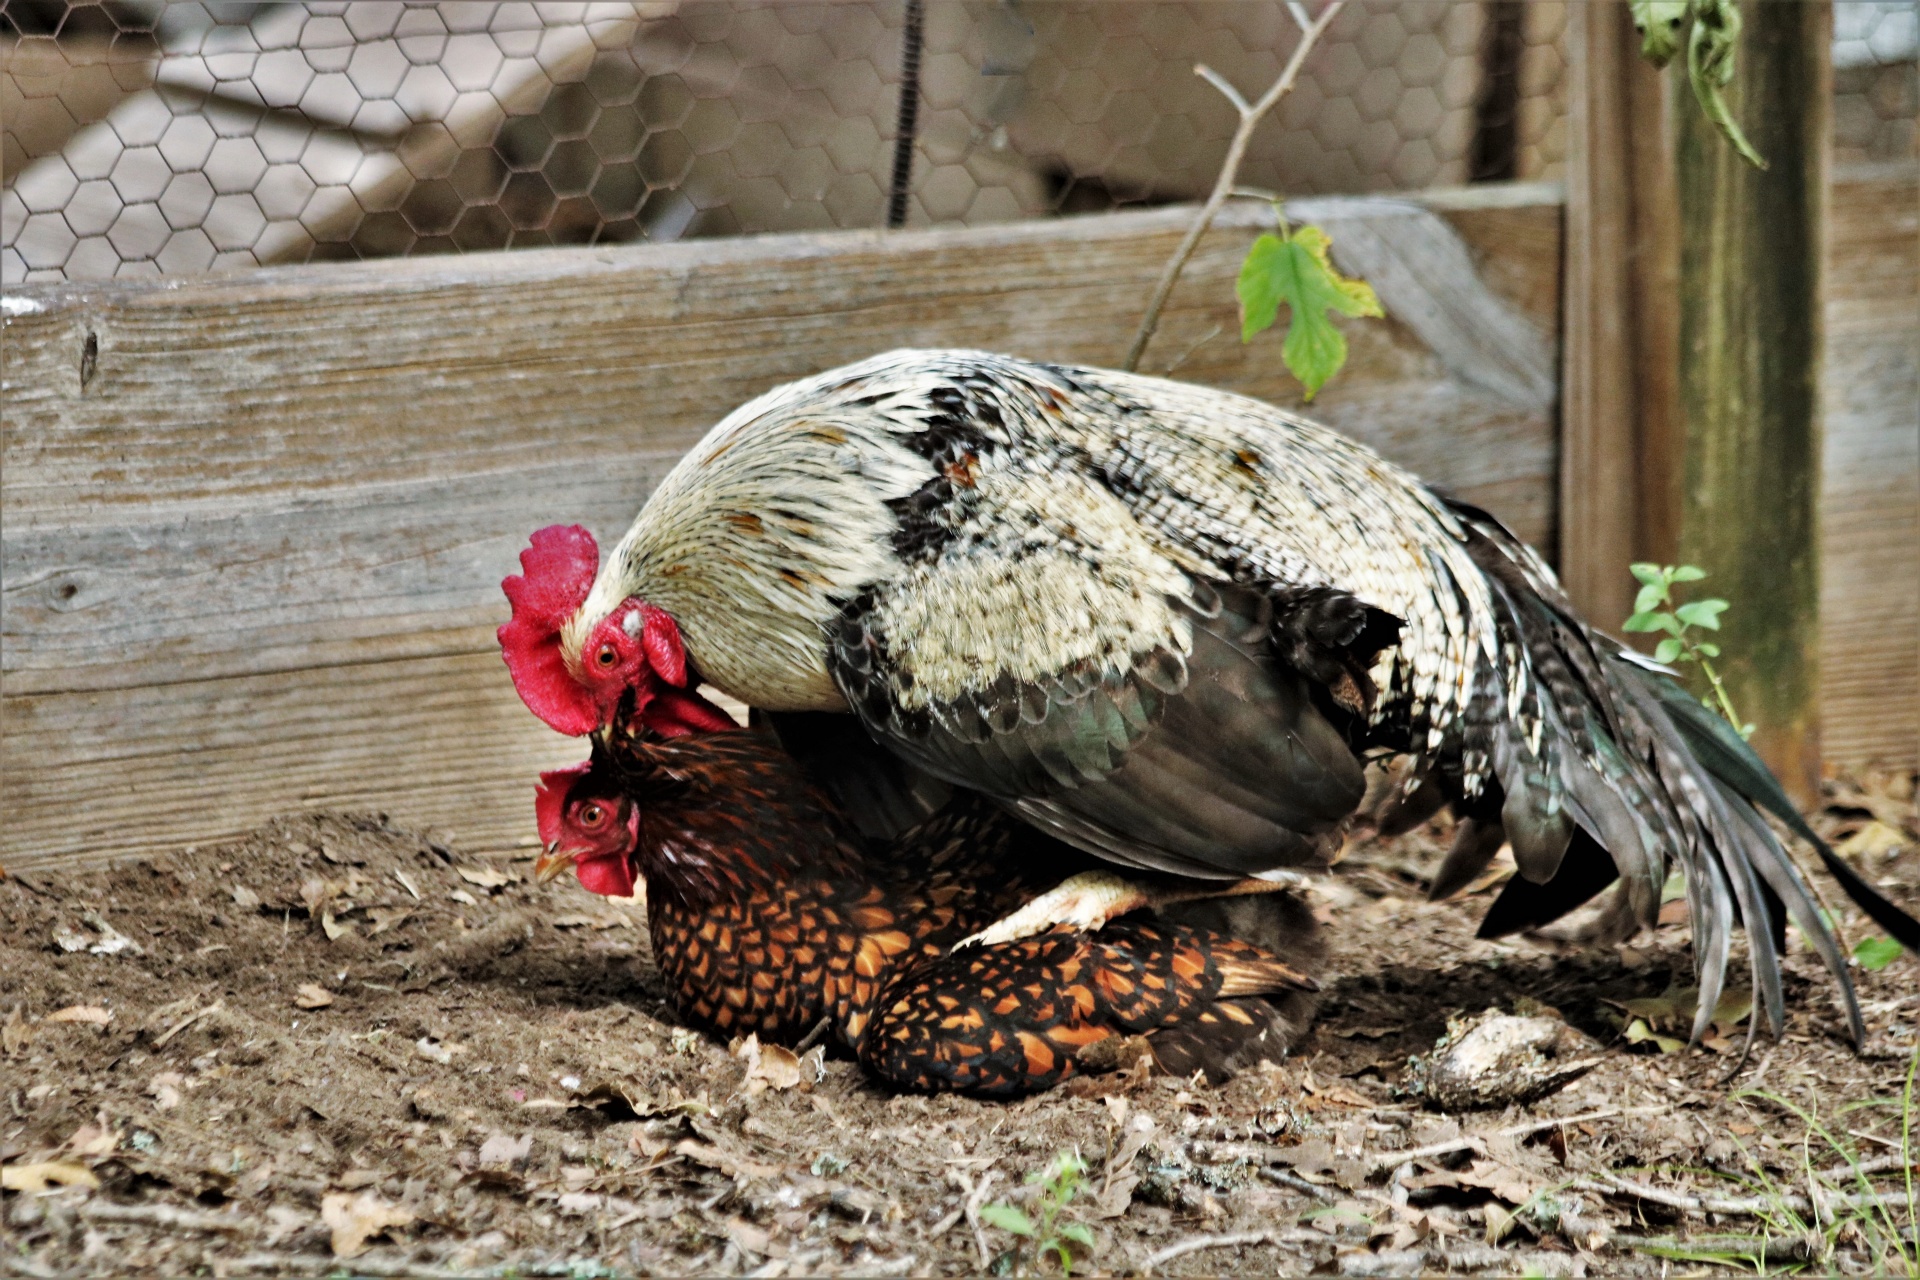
x=254, y=525
x=1870, y=483
x=1598, y=479
x=1752, y=340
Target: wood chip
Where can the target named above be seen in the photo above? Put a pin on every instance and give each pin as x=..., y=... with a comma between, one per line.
x=484, y=877
x=91, y=1013
x=312, y=995
x=45, y=1176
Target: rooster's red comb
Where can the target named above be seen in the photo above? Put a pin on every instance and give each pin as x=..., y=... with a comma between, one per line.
x=559, y=570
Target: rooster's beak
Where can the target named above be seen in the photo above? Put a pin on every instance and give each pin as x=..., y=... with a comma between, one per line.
x=553, y=862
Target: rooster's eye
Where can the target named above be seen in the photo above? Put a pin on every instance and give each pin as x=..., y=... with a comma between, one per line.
x=592, y=815
x=606, y=656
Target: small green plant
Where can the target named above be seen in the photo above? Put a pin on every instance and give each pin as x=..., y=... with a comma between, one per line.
x=1293, y=267
x=1059, y=1183
x=1711, y=43
x=1875, y=954
x=1655, y=609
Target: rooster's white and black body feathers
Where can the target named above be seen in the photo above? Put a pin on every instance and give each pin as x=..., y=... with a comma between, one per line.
x=1167, y=624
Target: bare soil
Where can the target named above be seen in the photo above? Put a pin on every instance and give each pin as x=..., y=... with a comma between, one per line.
x=342, y=1046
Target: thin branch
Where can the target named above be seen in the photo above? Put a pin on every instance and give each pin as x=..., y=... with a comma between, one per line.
x=1250, y=117
x=1233, y=1240
x=1299, y=12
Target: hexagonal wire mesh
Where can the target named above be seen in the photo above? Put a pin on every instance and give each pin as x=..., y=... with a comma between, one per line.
x=180, y=138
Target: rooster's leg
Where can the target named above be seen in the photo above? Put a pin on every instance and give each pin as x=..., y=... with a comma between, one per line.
x=1087, y=901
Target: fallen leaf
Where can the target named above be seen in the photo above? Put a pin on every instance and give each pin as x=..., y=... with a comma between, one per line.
x=91, y=1140
x=1638, y=1032
x=579, y=1202
x=312, y=995
x=244, y=898
x=1875, y=840
x=316, y=892
x=484, y=877
x=165, y=1089
x=112, y=942
x=385, y=918
x=332, y=927
x=15, y=1033
x=462, y=896
x=354, y=1218
x=769, y=1066
x=92, y=1013
x=45, y=1176
x=502, y=1150
x=729, y=1163
x=406, y=882
x=70, y=939
x=427, y=1048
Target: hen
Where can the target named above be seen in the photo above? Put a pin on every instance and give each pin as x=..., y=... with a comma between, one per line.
x=1165, y=624
x=768, y=913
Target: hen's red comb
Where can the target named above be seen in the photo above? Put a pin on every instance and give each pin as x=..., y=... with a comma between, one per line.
x=550, y=798
x=610, y=875
x=559, y=568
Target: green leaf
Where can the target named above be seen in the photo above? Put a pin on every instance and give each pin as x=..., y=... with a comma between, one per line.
x=1007, y=1218
x=1702, y=613
x=1689, y=573
x=1296, y=271
x=1651, y=597
x=1667, y=650
x=1710, y=49
x=1875, y=954
x=1659, y=22
x=1709, y=648
x=1649, y=575
x=1078, y=1232
x=1644, y=622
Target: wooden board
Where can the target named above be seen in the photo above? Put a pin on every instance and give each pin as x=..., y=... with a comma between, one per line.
x=1870, y=487
x=254, y=525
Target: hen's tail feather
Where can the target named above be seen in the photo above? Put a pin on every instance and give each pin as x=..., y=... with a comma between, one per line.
x=1643, y=776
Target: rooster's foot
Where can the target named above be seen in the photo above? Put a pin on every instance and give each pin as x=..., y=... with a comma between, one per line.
x=1087, y=901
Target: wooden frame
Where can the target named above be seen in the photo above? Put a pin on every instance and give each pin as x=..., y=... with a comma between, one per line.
x=253, y=525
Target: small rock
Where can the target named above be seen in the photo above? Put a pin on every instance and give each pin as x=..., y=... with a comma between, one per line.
x=1497, y=1059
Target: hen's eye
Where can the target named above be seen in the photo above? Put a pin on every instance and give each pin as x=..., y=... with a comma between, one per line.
x=592, y=815
x=606, y=656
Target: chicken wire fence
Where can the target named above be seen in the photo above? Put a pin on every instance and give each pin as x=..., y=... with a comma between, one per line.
x=145, y=138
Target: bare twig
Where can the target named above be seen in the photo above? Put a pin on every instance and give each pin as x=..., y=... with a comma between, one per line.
x=218, y=1006
x=163, y=1215
x=1231, y=1240
x=1747, y=1206
x=1288, y=1178
x=1250, y=116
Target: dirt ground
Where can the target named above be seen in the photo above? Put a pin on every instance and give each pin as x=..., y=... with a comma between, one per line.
x=339, y=1046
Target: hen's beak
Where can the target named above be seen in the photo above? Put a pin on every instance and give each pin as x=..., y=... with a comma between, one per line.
x=553, y=861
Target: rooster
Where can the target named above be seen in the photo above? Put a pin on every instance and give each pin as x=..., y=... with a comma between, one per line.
x=768, y=912
x=1166, y=625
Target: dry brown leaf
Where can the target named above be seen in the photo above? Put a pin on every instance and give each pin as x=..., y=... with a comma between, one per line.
x=312, y=995
x=332, y=927
x=729, y=1163
x=92, y=1141
x=15, y=1034
x=316, y=892
x=464, y=898
x=502, y=1150
x=385, y=918
x=244, y=898
x=165, y=1089
x=91, y=1013
x=45, y=1176
x=354, y=1218
x=770, y=1066
x=1876, y=839
x=485, y=877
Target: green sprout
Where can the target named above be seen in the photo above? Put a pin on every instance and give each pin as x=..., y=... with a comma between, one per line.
x=1059, y=1183
x=1655, y=609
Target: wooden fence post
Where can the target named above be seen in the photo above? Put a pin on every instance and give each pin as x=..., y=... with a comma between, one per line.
x=1751, y=337
x=1619, y=408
